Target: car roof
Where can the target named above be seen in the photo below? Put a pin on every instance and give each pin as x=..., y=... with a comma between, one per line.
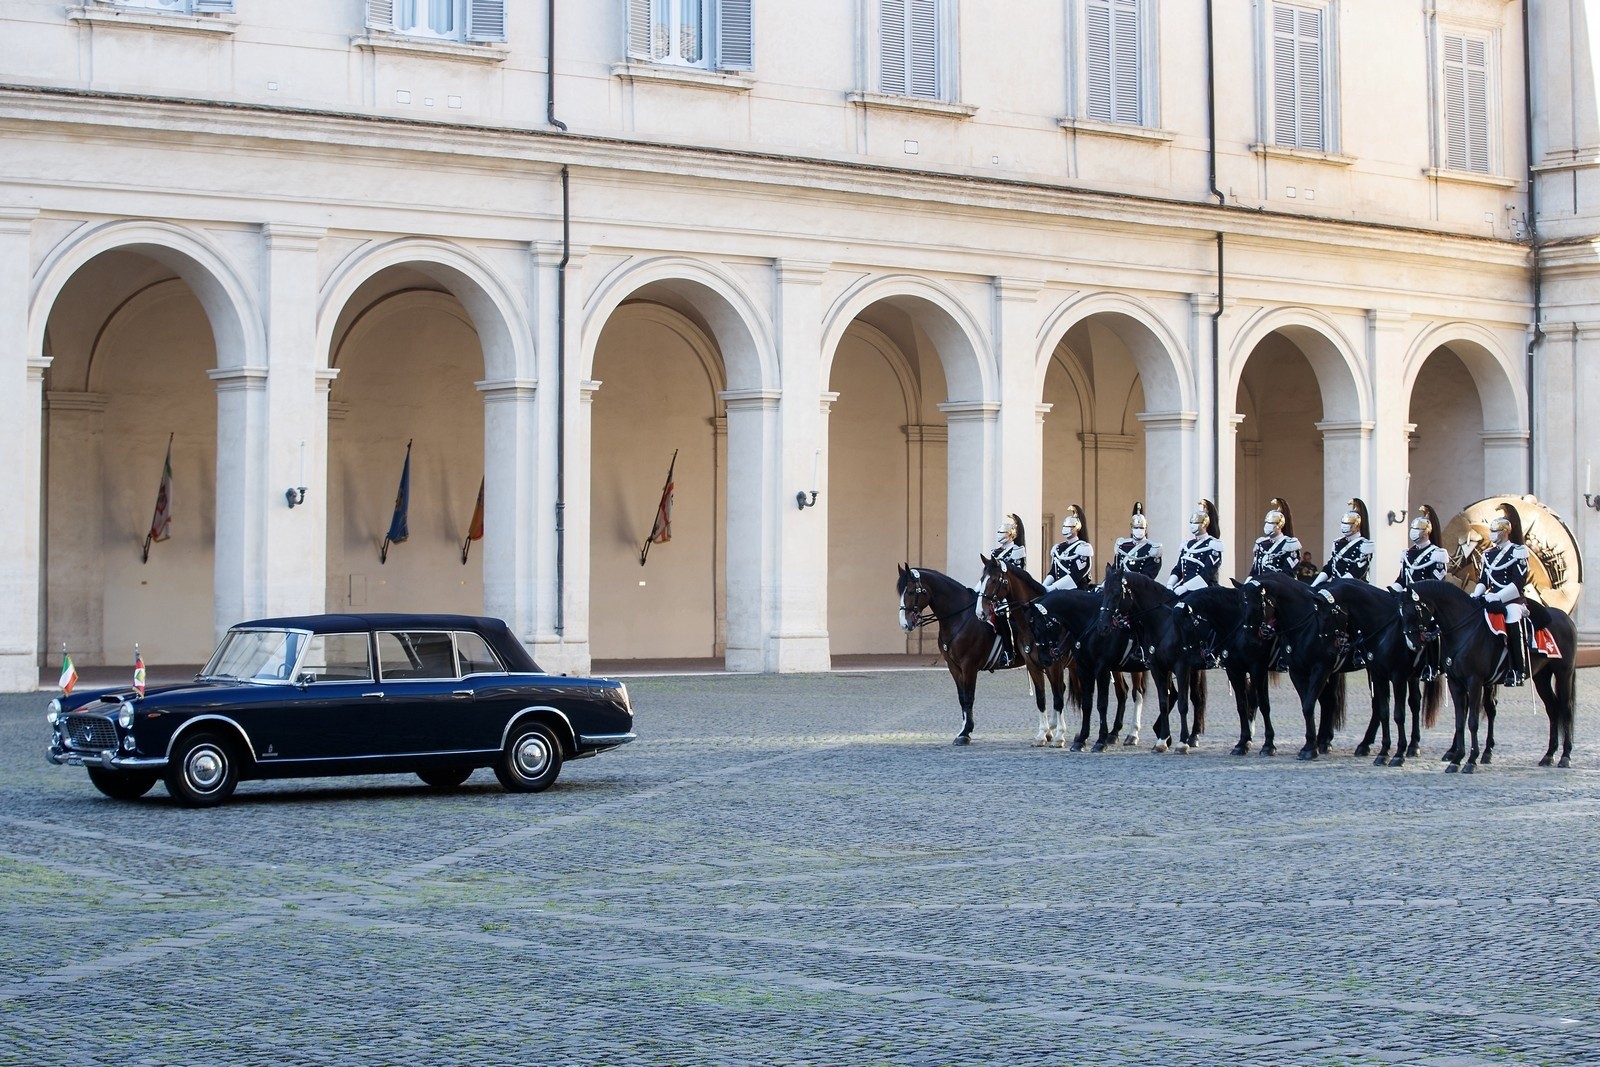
x=495, y=631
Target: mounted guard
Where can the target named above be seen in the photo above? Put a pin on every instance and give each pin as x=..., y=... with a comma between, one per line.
x=1011, y=548
x=1352, y=552
x=1072, y=560
x=1277, y=549
x=1137, y=552
x=1505, y=575
x=1201, y=554
x=1423, y=559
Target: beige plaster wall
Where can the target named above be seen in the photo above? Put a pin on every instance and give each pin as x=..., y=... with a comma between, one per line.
x=1281, y=403
x=1446, y=449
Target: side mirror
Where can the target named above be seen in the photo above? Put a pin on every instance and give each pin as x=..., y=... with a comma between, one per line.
x=305, y=679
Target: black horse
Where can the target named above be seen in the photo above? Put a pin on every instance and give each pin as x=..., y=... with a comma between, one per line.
x=968, y=642
x=1040, y=634
x=1473, y=656
x=1394, y=670
x=1315, y=646
x=1238, y=625
x=1176, y=661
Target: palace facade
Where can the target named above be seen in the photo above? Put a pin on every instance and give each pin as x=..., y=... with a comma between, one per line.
x=932, y=260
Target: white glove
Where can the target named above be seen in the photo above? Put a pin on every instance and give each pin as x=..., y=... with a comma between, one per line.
x=1190, y=586
x=1396, y=587
x=1477, y=590
x=1319, y=579
x=1505, y=594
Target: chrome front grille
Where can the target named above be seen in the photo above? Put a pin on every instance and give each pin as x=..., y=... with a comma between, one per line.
x=91, y=731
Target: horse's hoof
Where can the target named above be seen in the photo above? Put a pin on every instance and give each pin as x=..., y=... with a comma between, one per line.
x=1565, y=763
x=1306, y=754
x=1485, y=757
x=1363, y=750
x=1414, y=749
x=1268, y=750
x=1130, y=740
x=1380, y=760
x=1469, y=768
x=1452, y=768
x=1040, y=742
x=1398, y=761
x=1324, y=747
x=1184, y=750
x=1238, y=750
x=1077, y=746
x=1450, y=757
x=962, y=739
x=1099, y=746
x=1160, y=746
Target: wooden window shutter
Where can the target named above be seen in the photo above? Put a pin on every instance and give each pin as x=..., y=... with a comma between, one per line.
x=1098, y=60
x=1455, y=102
x=892, y=47
x=1309, y=79
x=1297, y=99
x=380, y=15
x=922, y=39
x=486, y=20
x=735, y=35
x=639, y=30
x=1477, y=104
x=1125, y=61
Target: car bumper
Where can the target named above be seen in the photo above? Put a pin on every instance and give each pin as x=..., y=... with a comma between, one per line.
x=594, y=744
x=107, y=760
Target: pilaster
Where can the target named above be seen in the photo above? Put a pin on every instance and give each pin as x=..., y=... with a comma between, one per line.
x=1020, y=437
x=21, y=397
x=244, y=493
x=973, y=505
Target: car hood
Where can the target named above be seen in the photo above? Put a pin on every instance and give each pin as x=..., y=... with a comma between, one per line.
x=108, y=698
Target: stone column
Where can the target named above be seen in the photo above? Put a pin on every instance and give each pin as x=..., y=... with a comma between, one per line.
x=1505, y=464
x=21, y=397
x=757, y=497
x=1346, y=471
x=293, y=569
x=1172, y=478
x=1020, y=444
x=1107, y=491
x=974, y=505
x=74, y=541
x=719, y=561
x=510, y=489
x=244, y=493
x=1387, y=481
x=1561, y=444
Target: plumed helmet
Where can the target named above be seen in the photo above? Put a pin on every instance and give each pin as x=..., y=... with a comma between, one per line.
x=1205, y=513
x=1355, y=513
x=1279, y=515
x=1009, y=529
x=1427, y=521
x=1138, y=519
x=1508, y=519
x=1075, y=520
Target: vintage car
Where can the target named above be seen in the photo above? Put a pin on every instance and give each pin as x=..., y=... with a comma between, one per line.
x=437, y=695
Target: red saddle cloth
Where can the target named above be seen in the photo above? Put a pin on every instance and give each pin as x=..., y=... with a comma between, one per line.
x=1544, y=642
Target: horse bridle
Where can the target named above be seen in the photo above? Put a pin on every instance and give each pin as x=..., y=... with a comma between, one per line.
x=926, y=616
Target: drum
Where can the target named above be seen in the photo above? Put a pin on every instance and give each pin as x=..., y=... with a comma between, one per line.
x=1555, y=567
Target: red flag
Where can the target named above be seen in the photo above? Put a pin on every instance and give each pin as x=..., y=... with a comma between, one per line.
x=475, y=527
x=161, y=521
x=138, y=671
x=661, y=530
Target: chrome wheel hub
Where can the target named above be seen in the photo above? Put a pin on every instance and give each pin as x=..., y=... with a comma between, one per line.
x=205, y=768
x=533, y=756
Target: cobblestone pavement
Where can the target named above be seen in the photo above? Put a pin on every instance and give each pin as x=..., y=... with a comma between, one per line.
x=802, y=870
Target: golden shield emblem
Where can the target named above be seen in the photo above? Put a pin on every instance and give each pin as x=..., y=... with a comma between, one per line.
x=1555, y=568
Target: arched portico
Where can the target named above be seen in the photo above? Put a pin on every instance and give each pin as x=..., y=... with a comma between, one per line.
x=1468, y=408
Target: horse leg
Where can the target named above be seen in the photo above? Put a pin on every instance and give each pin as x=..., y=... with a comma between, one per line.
x=1239, y=680
x=1103, y=686
x=1397, y=695
x=1057, y=673
x=1185, y=694
x=966, y=689
x=1310, y=693
x=1489, y=709
x=1475, y=709
x=1137, y=683
x=1379, y=684
x=1036, y=680
x=1414, y=701
x=1164, y=699
x=1261, y=690
x=1458, y=743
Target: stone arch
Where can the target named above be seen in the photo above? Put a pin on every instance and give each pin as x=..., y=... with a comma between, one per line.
x=881, y=343
x=503, y=329
x=1332, y=355
x=1500, y=390
x=229, y=301
x=148, y=297
x=741, y=329
x=1161, y=358
x=965, y=350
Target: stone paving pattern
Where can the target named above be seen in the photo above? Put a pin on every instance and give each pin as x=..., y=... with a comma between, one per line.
x=802, y=870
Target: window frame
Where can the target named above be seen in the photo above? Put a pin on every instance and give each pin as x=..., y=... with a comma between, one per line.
x=372, y=664
x=946, y=55
x=377, y=648
x=720, y=54
x=1490, y=37
x=1267, y=79
x=1147, y=77
x=459, y=14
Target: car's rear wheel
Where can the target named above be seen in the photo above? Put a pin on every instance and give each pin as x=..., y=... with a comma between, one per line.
x=122, y=785
x=445, y=777
x=531, y=760
x=202, y=771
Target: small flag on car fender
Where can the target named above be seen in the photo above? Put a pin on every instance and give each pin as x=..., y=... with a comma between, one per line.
x=138, y=671
x=69, y=673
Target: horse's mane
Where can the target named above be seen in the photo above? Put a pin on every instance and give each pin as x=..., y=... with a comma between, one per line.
x=1033, y=585
x=934, y=579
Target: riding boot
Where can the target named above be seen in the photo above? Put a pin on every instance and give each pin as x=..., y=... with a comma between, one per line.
x=1516, y=654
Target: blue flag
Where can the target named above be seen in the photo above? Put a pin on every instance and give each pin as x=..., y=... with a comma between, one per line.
x=398, y=531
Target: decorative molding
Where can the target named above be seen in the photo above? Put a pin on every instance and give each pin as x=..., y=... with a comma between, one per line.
x=1121, y=130
x=487, y=54
x=1017, y=288
x=207, y=25
x=1345, y=430
x=64, y=400
x=926, y=434
x=1304, y=155
x=750, y=399
x=970, y=410
x=324, y=378
x=1251, y=448
x=692, y=77
x=587, y=389
x=1108, y=442
x=283, y=237
x=17, y=219
x=1381, y=319
x=912, y=104
x=1181, y=420
x=229, y=379
x=338, y=410
x=827, y=399
x=1040, y=411
x=503, y=390
x=1504, y=438
x=1467, y=177
x=36, y=368
x=801, y=271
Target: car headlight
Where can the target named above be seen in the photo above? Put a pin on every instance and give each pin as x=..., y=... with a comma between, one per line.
x=125, y=717
x=52, y=716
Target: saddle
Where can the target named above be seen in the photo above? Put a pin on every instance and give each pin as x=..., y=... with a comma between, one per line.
x=1541, y=640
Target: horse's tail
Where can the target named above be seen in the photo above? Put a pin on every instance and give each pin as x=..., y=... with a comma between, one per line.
x=1338, y=702
x=1198, y=692
x=1075, y=681
x=1432, y=698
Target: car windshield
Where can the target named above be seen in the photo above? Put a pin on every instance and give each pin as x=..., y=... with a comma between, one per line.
x=255, y=656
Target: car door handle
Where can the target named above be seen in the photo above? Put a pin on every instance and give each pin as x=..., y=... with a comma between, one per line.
x=461, y=693
x=378, y=694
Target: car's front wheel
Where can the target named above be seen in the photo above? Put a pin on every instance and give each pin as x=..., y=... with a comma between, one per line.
x=445, y=777
x=122, y=785
x=531, y=760
x=202, y=771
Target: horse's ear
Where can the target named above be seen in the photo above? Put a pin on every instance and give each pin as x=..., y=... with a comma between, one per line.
x=901, y=567
x=1108, y=570
x=1236, y=583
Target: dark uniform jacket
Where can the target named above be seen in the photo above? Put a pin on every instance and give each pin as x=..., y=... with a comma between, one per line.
x=1071, y=565
x=1280, y=553
x=1142, y=556
x=1351, y=558
x=1423, y=561
x=1200, y=556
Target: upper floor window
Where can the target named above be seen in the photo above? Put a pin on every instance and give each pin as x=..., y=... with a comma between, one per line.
x=711, y=34
x=1116, y=42
x=1300, y=76
x=440, y=20
x=181, y=7
x=910, y=43
x=1468, y=77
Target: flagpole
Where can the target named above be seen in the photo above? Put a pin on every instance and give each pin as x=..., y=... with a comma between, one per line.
x=644, y=553
x=144, y=556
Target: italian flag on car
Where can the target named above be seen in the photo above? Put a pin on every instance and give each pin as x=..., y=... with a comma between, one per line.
x=69, y=673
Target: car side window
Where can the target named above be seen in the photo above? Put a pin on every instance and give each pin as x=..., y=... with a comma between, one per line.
x=476, y=655
x=415, y=655
x=338, y=658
